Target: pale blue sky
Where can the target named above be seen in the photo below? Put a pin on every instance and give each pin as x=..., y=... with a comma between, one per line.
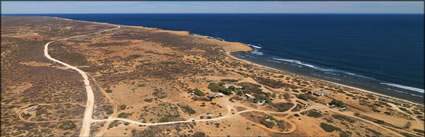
x=212, y=7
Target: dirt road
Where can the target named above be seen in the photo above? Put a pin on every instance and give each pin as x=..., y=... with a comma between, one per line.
x=87, y=120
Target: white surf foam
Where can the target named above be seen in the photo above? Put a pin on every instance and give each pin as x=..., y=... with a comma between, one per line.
x=404, y=87
x=303, y=64
x=321, y=69
x=255, y=46
x=256, y=52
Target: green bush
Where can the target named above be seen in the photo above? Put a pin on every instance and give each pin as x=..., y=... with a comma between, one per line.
x=418, y=130
x=198, y=92
x=158, y=93
x=141, y=85
x=225, y=91
x=314, y=114
x=123, y=115
x=214, y=87
x=108, y=91
x=113, y=124
x=329, y=128
x=374, y=131
x=122, y=107
x=164, y=119
x=229, y=80
x=199, y=134
x=379, y=121
x=344, y=134
x=268, y=124
x=148, y=100
x=303, y=97
x=342, y=117
x=337, y=103
x=68, y=125
x=406, y=134
x=188, y=109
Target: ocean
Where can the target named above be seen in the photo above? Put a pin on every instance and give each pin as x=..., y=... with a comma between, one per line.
x=379, y=52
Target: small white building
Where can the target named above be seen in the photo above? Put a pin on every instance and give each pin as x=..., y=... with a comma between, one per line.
x=219, y=95
x=211, y=95
x=228, y=85
x=248, y=95
x=305, y=103
x=321, y=93
x=261, y=102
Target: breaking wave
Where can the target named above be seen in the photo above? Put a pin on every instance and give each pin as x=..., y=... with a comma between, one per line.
x=304, y=64
x=255, y=46
x=403, y=87
x=256, y=50
x=297, y=62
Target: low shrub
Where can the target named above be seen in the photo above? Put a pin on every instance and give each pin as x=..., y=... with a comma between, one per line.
x=380, y=122
x=418, y=130
x=68, y=125
x=329, y=128
x=373, y=131
x=198, y=92
x=158, y=93
x=123, y=115
x=267, y=123
x=229, y=80
x=337, y=103
x=314, y=114
x=148, y=100
x=122, y=107
x=188, y=109
x=344, y=134
x=199, y=134
x=342, y=117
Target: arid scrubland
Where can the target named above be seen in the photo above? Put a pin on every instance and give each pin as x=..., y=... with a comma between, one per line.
x=157, y=76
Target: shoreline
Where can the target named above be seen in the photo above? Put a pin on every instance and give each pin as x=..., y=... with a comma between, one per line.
x=323, y=80
x=234, y=47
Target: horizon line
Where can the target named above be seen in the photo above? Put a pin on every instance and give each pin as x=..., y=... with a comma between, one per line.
x=204, y=13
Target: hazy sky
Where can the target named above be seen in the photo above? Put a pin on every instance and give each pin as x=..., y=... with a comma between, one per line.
x=212, y=7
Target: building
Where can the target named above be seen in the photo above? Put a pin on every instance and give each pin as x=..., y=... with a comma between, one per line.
x=321, y=93
x=219, y=95
x=260, y=102
x=228, y=85
x=211, y=96
x=248, y=95
x=305, y=103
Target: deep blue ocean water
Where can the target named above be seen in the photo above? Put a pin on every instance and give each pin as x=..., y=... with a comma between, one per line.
x=380, y=52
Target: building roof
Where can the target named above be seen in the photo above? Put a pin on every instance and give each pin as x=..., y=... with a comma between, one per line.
x=211, y=95
x=228, y=85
